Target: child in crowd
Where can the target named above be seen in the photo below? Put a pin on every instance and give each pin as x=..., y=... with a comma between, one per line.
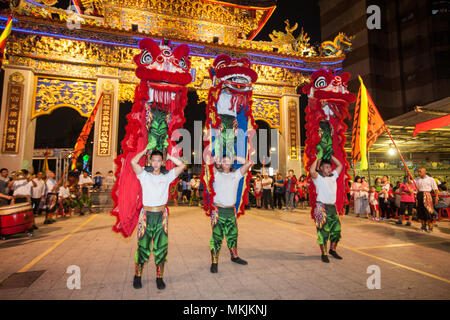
x=98, y=180
x=373, y=201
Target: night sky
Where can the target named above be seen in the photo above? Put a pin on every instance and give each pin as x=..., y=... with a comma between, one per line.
x=306, y=13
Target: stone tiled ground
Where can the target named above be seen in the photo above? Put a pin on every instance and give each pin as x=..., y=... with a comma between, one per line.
x=281, y=249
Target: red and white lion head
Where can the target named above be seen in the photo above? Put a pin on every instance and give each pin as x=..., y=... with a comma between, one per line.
x=235, y=74
x=325, y=85
x=159, y=63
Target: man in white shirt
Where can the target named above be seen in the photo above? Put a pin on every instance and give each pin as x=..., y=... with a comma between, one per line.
x=325, y=214
x=85, y=182
x=37, y=193
x=425, y=208
x=153, y=220
x=223, y=220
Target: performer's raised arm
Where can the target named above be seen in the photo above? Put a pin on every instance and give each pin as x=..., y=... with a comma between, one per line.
x=180, y=164
x=338, y=165
x=313, y=169
x=246, y=164
x=135, y=162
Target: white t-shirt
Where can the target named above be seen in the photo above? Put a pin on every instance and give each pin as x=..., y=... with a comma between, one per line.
x=64, y=192
x=49, y=186
x=39, y=190
x=83, y=180
x=326, y=188
x=426, y=184
x=22, y=187
x=225, y=185
x=269, y=181
x=258, y=185
x=155, y=188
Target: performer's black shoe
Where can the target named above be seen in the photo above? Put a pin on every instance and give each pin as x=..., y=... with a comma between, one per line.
x=325, y=258
x=137, y=284
x=214, y=267
x=335, y=254
x=239, y=260
x=160, y=284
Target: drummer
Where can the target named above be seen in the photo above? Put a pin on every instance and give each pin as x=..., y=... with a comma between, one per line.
x=22, y=184
x=5, y=198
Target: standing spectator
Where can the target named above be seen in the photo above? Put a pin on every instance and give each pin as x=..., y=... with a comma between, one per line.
x=407, y=192
x=301, y=191
x=360, y=194
x=290, y=187
x=267, y=191
x=84, y=181
x=195, y=184
x=278, y=191
x=37, y=193
x=426, y=185
x=98, y=181
x=397, y=197
x=185, y=194
x=110, y=180
x=258, y=191
x=349, y=197
x=383, y=198
x=373, y=202
x=51, y=197
x=180, y=190
x=444, y=199
x=378, y=184
x=5, y=198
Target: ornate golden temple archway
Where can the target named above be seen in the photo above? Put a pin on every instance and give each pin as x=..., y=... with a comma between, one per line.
x=52, y=64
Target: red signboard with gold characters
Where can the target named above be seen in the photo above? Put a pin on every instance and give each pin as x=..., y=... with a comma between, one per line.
x=12, y=119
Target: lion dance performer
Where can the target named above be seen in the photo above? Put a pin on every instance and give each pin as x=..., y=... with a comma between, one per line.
x=157, y=113
x=229, y=130
x=325, y=139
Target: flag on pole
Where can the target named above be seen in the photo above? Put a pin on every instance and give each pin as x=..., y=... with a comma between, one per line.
x=4, y=37
x=432, y=124
x=82, y=139
x=367, y=126
x=45, y=164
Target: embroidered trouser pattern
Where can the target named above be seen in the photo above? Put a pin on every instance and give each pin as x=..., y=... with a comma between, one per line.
x=225, y=226
x=331, y=229
x=152, y=238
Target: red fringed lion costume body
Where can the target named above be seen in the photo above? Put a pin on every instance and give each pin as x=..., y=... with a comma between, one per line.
x=328, y=102
x=157, y=113
x=229, y=109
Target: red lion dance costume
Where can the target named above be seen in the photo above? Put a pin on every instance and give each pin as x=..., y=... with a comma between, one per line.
x=325, y=133
x=229, y=130
x=229, y=110
x=157, y=113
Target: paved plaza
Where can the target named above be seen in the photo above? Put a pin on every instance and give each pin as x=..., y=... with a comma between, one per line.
x=280, y=247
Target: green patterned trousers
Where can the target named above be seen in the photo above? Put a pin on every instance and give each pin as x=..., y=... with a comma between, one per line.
x=225, y=226
x=152, y=236
x=332, y=227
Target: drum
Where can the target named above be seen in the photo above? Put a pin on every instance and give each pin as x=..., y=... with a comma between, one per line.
x=16, y=218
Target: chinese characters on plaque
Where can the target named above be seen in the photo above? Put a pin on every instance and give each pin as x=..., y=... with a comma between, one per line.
x=12, y=117
x=293, y=140
x=104, y=144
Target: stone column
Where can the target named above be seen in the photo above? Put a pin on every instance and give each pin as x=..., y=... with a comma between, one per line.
x=290, y=135
x=16, y=126
x=106, y=125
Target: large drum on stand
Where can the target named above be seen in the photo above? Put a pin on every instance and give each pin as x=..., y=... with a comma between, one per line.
x=16, y=218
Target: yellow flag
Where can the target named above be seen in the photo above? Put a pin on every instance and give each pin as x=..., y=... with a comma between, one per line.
x=363, y=126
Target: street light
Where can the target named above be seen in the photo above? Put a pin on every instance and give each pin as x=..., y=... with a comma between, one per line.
x=391, y=151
